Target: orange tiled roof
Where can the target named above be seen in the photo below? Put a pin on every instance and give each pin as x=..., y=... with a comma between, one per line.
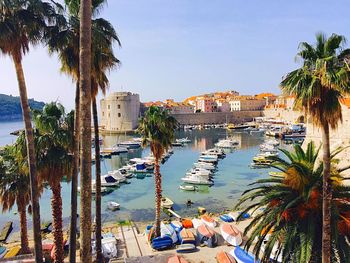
x=345, y=101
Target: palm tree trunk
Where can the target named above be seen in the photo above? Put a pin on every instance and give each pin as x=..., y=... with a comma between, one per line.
x=158, y=186
x=74, y=183
x=56, y=204
x=85, y=115
x=327, y=197
x=24, y=231
x=98, y=228
x=31, y=158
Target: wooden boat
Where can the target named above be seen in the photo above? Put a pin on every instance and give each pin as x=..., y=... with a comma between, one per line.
x=223, y=257
x=3, y=251
x=186, y=236
x=226, y=218
x=160, y=243
x=113, y=205
x=5, y=232
x=206, y=235
x=187, y=187
x=177, y=225
x=196, y=222
x=12, y=252
x=166, y=202
x=187, y=223
x=242, y=256
x=168, y=230
x=231, y=234
x=209, y=221
x=186, y=248
x=176, y=259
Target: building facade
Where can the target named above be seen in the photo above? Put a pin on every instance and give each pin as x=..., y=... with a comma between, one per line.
x=205, y=104
x=247, y=104
x=120, y=112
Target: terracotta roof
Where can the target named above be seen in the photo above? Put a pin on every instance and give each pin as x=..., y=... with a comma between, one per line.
x=345, y=101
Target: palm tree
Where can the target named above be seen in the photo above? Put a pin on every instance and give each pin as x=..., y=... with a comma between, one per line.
x=22, y=23
x=54, y=137
x=15, y=187
x=157, y=128
x=288, y=224
x=318, y=86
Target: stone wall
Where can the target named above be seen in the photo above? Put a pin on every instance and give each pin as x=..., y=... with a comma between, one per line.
x=286, y=115
x=217, y=117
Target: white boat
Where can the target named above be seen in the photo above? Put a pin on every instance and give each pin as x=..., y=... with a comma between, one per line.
x=130, y=144
x=183, y=140
x=109, y=247
x=268, y=154
x=231, y=234
x=225, y=144
x=125, y=173
x=199, y=171
x=187, y=187
x=107, y=181
x=208, y=158
x=207, y=166
x=196, y=179
x=168, y=230
x=166, y=202
x=113, y=205
x=216, y=152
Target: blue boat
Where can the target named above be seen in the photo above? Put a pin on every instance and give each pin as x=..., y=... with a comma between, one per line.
x=242, y=256
x=226, y=218
x=160, y=243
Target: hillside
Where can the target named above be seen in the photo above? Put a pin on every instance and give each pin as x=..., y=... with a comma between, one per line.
x=10, y=107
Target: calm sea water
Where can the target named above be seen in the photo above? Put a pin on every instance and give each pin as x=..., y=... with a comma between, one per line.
x=137, y=197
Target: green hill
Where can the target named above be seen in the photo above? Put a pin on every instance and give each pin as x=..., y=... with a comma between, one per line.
x=10, y=107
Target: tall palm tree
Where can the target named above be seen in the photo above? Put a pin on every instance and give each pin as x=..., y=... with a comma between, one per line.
x=22, y=23
x=157, y=129
x=15, y=187
x=288, y=225
x=318, y=85
x=85, y=117
x=54, y=137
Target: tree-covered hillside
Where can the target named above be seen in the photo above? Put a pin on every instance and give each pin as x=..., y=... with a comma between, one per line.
x=10, y=107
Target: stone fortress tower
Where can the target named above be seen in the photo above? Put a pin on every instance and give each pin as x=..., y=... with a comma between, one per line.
x=120, y=112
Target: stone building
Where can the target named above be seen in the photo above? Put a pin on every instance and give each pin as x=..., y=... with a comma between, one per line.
x=120, y=112
x=247, y=104
x=205, y=104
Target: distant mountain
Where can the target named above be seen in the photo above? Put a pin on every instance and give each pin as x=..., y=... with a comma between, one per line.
x=10, y=107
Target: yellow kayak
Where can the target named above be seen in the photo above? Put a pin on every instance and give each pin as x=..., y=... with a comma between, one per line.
x=13, y=252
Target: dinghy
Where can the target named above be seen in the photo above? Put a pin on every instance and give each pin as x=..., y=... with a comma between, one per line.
x=196, y=222
x=166, y=202
x=168, y=230
x=176, y=225
x=176, y=259
x=206, y=236
x=226, y=218
x=12, y=252
x=224, y=257
x=209, y=221
x=113, y=205
x=186, y=248
x=186, y=236
x=242, y=256
x=187, y=187
x=5, y=232
x=160, y=243
x=231, y=234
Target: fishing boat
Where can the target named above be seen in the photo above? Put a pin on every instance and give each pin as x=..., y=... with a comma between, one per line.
x=113, y=205
x=12, y=252
x=186, y=236
x=209, y=221
x=187, y=187
x=168, y=230
x=196, y=223
x=196, y=179
x=166, y=202
x=186, y=248
x=176, y=259
x=231, y=234
x=206, y=235
x=5, y=232
x=242, y=256
x=207, y=166
x=224, y=257
x=3, y=251
x=177, y=225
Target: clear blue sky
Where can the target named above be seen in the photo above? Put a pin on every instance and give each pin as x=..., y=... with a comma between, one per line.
x=178, y=48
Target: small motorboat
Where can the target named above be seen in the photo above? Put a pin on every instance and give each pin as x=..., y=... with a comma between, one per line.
x=206, y=235
x=208, y=158
x=168, y=230
x=209, y=221
x=224, y=257
x=113, y=205
x=207, y=166
x=160, y=243
x=196, y=179
x=196, y=223
x=166, y=202
x=130, y=144
x=186, y=248
x=187, y=187
x=186, y=236
x=242, y=256
x=231, y=234
x=176, y=259
x=177, y=225
x=226, y=218
x=5, y=232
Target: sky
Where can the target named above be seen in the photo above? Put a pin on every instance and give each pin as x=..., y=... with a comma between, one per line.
x=178, y=48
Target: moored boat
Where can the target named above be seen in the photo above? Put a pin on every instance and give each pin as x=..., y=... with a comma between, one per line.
x=196, y=179
x=166, y=202
x=206, y=235
x=242, y=256
x=186, y=248
x=113, y=206
x=231, y=234
x=224, y=257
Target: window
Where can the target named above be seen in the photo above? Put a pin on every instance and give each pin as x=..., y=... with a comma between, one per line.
x=118, y=106
x=119, y=115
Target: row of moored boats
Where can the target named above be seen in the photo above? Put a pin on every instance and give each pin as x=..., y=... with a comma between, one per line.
x=268, y=150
